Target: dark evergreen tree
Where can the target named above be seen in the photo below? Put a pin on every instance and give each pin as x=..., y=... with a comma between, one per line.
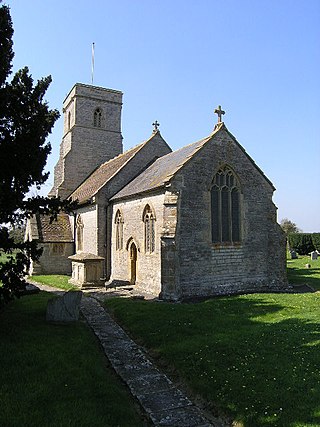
x=25, y=123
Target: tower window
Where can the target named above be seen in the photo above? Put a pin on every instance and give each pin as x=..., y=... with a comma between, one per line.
x=225, y=207
x=97, y=118
x=69, y=120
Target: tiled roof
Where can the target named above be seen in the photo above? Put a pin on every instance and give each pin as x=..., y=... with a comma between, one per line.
x=102, y=175
x=57, y=231
x=162, y=170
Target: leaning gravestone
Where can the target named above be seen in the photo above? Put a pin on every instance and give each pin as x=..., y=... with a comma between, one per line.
x=65, y=308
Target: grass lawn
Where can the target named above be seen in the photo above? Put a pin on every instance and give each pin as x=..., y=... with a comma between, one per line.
x=56, y=374
x=55, y=280
x=298, y=273
x=255, y=358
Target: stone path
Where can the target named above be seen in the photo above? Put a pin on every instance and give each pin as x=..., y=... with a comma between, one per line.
x=161, y=400
x=164, y=403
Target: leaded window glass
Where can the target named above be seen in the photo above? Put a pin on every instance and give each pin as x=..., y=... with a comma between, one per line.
x=149, y=229
x=225, y=207
x=119, y=231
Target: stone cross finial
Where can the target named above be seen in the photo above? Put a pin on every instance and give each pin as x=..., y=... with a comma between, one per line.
x=219, y=112
x=156, y=125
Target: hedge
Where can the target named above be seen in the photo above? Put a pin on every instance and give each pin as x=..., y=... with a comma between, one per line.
x=316, y=241
x=302, y=243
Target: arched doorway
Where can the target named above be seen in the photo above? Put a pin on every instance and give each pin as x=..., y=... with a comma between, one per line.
x=133, y=263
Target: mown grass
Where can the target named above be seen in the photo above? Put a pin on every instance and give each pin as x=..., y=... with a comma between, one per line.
x=298, y=273
x=255, y=358
x=56, y=374
x=54, y=280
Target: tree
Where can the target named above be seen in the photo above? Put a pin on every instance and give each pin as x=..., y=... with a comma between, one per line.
x=25, y=123
x=289, y=226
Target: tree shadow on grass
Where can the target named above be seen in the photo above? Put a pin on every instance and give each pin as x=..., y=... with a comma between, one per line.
x=308, y=276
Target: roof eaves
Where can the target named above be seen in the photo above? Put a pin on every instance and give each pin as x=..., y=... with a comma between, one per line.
x=141, y=193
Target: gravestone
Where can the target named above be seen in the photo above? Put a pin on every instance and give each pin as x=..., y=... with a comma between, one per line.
x=314, y=256
x=65, y=308
x=293, y=255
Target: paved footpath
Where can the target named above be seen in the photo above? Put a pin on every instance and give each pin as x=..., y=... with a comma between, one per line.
x=165, y=404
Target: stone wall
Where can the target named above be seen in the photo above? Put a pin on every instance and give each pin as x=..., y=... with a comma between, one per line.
x=257, y=263
x=148, y=264
x=54, y=259
x=85, y=146
x=90, y=230
x=154, y=148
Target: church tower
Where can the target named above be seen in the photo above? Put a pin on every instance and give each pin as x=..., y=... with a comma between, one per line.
x=91, y=135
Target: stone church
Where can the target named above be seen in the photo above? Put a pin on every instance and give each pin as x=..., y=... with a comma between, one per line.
x=199, y=221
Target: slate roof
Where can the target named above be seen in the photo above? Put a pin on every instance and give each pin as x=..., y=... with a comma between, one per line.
x=163, y=169
x=57, y=231
x=103, y=174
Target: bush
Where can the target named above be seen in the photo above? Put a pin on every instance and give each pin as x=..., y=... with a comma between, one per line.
x=316, y=241
x=301, y=243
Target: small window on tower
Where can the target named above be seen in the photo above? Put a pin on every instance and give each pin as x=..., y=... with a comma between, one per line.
x=97, y=118
x=69, y=120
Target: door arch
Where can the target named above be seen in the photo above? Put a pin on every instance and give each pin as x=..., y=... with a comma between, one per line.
x=133, y=263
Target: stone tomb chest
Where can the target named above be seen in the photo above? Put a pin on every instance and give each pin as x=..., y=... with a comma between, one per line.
x=87, y=269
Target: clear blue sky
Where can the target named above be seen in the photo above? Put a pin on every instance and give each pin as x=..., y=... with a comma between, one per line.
x=176, y=60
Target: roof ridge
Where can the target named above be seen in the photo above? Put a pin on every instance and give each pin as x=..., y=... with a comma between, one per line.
x=132, y=152
x=155, y=176
x=201, y=143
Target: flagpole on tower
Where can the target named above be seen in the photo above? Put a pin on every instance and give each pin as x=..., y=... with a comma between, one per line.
x=92, y=63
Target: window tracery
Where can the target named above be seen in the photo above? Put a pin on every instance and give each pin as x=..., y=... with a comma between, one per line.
x=225, y=207
x=119, y=230
x=97, y=115
x=149, y=229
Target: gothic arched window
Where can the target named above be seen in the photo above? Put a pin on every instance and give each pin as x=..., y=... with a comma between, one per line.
x=225, y=207
x=79, y=240
x=149, y=229
x=97, y=115
x=119, y=230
